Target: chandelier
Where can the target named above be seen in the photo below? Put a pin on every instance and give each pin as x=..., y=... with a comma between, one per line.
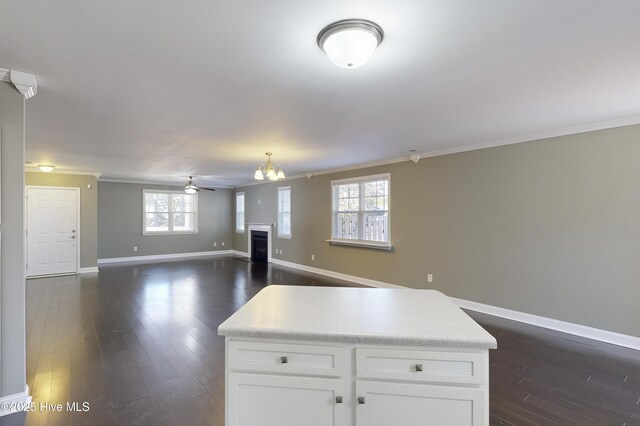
x=268, y=170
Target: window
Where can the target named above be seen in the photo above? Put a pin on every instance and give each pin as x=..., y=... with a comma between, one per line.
x=170, y=212
x=284, y=212
x=361, y=210
x=239, y=211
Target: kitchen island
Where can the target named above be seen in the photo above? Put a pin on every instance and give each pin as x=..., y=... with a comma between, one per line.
x=324, y=356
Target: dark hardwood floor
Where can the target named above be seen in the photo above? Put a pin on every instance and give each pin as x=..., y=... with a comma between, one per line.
x=140, y=344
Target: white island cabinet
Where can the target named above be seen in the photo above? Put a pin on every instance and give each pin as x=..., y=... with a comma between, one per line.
x=321, y=356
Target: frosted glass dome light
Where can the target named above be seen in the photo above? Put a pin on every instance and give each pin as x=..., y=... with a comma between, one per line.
x=351, y=42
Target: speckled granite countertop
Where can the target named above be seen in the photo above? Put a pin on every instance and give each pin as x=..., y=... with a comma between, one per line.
x=357, y=315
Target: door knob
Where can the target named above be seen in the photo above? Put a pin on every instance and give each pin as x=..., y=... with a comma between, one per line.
x=283, y=360
x=418, y=367
x=361, y=400
x=338, y=400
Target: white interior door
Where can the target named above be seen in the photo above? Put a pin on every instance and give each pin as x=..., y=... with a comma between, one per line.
x=52, y=234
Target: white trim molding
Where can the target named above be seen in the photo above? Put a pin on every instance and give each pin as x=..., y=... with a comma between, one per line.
x=33, y=168
x=592, y=333
x=338, y=275
x=171, y=256
x=14, y=401
x=88, y=270
x=25, y=83
x=416, y=156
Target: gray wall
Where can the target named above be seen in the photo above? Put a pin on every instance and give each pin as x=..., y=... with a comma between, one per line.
x=88, y=209
x=12, y=282
x=120, y=223
x=548, y=227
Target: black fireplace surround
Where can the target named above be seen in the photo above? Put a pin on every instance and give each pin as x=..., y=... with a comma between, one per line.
x=259, y=246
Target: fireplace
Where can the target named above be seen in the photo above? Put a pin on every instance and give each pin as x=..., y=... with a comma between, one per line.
x=259, y=246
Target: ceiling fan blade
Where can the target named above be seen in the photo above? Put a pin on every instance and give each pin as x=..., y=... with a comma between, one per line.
x=192, y=185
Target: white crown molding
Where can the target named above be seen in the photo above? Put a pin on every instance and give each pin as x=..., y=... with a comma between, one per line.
x=156, y=182
x=415, y=157
x=530, y=137
x=25, y=83
x=32, y=168
x=310, y=175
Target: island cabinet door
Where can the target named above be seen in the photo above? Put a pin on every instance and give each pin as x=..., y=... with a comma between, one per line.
x=272, y=400
x=404, y=404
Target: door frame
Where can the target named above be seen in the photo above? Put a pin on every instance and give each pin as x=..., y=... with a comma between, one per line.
x=26, y=223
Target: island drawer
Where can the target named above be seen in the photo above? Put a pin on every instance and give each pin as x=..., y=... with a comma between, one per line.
x=421, y=366
x=284, y=358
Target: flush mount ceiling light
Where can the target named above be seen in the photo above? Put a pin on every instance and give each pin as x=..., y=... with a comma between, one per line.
x=46, y=168
x=267, y=170
x=350, y=43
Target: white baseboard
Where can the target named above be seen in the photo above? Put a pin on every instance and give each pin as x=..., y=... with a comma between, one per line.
x=88, y=270
x=18, y=399
x=241, y=253
x=612, y=337
x=338, y=275
x=606, y=336
x=170, y=256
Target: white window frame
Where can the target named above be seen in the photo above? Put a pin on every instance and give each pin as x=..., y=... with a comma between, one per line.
x=361, y=243
x=240, y=227
x=280, y=234
x=170, y=212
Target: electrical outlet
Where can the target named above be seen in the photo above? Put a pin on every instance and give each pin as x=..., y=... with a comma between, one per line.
x=135, y=248
x=215, y=244
x=429, y=278
x=280, y=251
x=223, y=244
x=313, y=257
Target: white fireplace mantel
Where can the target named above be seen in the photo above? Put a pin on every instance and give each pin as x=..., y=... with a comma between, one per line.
x=266, y=227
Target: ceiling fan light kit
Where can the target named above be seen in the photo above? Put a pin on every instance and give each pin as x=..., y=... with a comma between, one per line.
x=268, y=170
x=191, y=188
x=350, y=43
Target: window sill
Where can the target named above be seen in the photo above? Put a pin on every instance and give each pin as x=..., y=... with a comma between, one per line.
x=363, y=244
x=171, y=233
x=239, y=231
x=286, y=237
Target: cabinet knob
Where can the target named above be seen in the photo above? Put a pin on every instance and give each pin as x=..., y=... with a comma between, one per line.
x=283, y=360
x=361, y=400
x=338, y=400
x=418, y=367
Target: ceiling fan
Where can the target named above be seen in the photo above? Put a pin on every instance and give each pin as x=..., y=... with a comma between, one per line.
x=192, y=188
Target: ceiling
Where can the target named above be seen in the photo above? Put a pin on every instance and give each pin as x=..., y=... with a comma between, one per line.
x=156, y=91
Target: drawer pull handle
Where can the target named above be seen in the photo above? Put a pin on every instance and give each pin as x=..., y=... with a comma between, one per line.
x=283, y=360
x=418, y=367
x=361, y=400
x=338, y=400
